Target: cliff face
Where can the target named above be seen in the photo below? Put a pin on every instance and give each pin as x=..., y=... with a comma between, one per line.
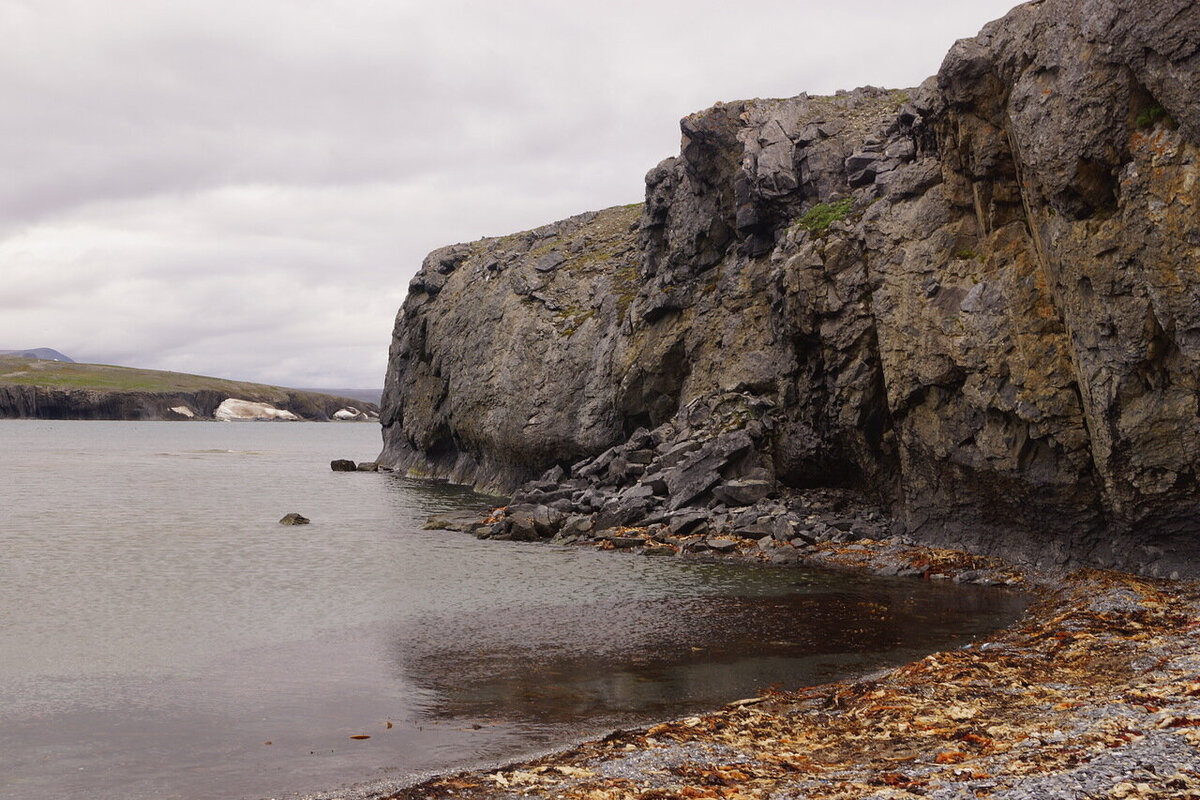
x=977, y=300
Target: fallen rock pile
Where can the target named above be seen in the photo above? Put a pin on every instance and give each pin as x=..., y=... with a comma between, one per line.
x=701, y=482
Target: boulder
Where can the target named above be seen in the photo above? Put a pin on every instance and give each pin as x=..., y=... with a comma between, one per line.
x=520, y=524
x=462, y=521
x=294, y=519
x=343, y=465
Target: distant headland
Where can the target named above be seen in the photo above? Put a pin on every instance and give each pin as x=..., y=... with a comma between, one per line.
x=45, y=384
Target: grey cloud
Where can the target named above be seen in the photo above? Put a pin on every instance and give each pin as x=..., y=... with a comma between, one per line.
x=245, y=188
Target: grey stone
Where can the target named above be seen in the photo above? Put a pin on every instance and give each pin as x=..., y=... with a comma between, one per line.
x=619, y=511
x=684, y=523
x=742, y=491
x=550, y=262
x=783, y=529
x=554, y=475
x=755, y=531
x=623, y=542
x=520, y=523
x=343, y=465
x=784, y=555
x=576, y=525
x=463, y=521
x=640, y=456
x=547, y=520
x=685, y=485
x=294, y=519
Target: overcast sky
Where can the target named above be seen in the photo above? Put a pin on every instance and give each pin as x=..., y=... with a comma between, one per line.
x=244, y=188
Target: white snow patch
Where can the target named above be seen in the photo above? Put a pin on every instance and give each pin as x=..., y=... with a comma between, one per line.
x=234, y=409
x=184, y=411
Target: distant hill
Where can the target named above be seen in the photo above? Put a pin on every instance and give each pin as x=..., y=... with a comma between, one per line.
x=373, y=396
x=39, y=352
x=49, y=389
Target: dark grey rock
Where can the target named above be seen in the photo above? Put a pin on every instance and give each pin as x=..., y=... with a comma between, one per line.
x=755, y=531
x=784, y=555
x=294, y=519
x=687, y=522
x=623, y=542
x=578, y=525
x=640, y=456
x=547, y=520
x=343, y=465
x=742, y=491
x=687, y=483
x=549, y=262
x=463, y=521
x=618, y=511
x=554, y=475
x=783, y=529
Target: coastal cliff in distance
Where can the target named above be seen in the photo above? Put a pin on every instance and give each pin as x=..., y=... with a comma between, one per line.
x=976, y=302
x=40, y=389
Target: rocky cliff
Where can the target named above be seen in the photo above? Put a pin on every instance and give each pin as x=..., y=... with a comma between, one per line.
x=975, y=301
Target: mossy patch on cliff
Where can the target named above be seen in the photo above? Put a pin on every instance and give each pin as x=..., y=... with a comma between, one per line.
x=822, y=215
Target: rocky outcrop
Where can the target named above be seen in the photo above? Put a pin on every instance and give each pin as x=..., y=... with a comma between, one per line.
x=975, y=302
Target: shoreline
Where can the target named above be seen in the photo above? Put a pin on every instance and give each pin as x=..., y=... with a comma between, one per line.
x=1094, y=692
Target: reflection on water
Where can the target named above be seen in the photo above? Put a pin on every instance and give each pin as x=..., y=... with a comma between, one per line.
x=164, y=636
x=613, y=661
x=427, y=498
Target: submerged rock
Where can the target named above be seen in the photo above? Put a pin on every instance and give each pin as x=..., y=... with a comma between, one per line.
x=294, y=519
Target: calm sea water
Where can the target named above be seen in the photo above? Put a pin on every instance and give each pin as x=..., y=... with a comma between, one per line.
x=162, y=636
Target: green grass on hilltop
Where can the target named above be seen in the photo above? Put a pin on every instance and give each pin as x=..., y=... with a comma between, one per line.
x=103, y=377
